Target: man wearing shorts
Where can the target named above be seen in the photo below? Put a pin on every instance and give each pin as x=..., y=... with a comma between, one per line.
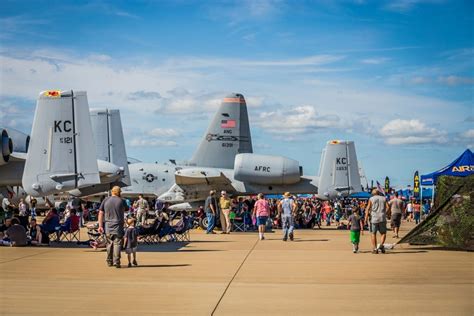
x=377, y=208
x=396, y=210
x=262, y=212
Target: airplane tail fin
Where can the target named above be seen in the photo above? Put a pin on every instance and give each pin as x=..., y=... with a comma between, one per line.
x=60, y=156
x=339, y=170
x=109, y=140
x=227, y=135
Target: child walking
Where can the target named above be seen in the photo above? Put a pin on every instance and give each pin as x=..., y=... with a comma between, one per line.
x=131, y=242
x=356, y=224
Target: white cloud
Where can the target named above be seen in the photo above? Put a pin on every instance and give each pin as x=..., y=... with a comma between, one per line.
x=375, y=60
x=407, y=5
x=144, y=95
x=148, y=142
x=468, y=138
x=419, y=80
x=456, y=80
x=164, y=132
x=469, y=134
x=238, y=12
x=400, y=132
x=296, y=121
x=195, y=63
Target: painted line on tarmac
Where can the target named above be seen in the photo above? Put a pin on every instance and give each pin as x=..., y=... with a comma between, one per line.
x=36, y=254
x=235, y=274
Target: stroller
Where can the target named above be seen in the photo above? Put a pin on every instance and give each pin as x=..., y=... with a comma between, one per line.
x=96, y=239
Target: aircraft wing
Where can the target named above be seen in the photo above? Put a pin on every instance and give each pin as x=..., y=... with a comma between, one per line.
x=194, y=184
x=200, y=176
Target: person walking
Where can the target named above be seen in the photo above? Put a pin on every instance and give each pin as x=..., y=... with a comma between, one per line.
x=396, y=210
x=417, y=212
x=210, y=208
x=225, y=206
x=356, y=225
x=262, y=212
x=377, y=208
x=141, y=205
x=409, y=211
x=286, y=211
x=111, y=213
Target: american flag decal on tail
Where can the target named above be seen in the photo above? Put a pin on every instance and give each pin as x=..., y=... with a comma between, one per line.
x=228, y=124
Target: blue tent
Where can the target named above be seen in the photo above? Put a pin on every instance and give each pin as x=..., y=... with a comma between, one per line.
x=427, y=193
x=463, y=166
x=360, y=195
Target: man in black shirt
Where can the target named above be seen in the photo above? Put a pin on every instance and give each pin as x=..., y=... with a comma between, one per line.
x=210, y=208
x=112, y=211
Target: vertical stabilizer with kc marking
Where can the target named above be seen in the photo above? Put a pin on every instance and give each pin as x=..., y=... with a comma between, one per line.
x=62, y=155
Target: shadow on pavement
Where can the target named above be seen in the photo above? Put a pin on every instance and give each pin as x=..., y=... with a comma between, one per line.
x=305, y=240
x=402, y=252
x=209, y=241
x=161, y=266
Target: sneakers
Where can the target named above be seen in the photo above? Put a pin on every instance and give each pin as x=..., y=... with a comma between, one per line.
x=129, y=265
x=109, y=264
x=375, y=251
x=285, y=238
x=382, y=248
x=117, y=265
x=135, y=263
x=291, y=236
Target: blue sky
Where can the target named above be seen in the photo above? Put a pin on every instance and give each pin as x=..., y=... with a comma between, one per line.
x=397, y=77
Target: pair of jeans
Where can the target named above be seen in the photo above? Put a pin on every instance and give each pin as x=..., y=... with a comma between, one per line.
x=114, y=247
x=211, y=222
x=287, y=224
x=417, y=217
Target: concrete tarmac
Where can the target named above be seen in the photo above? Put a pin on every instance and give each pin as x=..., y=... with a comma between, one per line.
x=236, y=274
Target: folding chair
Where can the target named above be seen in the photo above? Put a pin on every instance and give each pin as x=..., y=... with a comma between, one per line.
x=238, y=224
x=74, y=232
x=53, y=236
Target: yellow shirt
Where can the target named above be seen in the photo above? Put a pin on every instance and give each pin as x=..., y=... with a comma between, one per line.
x=224, y=203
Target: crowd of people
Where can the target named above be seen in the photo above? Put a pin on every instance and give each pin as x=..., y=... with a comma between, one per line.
x=19, y=226
x=292, y=212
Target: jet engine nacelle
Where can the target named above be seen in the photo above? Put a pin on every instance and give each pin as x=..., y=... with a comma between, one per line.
x=6, y=147
x=265, y=169
x=20, y=140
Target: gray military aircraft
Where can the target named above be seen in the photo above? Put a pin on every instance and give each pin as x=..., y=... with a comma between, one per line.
x=253, y=173
x=227, y=135
x=58, y=157
x=224, y=160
